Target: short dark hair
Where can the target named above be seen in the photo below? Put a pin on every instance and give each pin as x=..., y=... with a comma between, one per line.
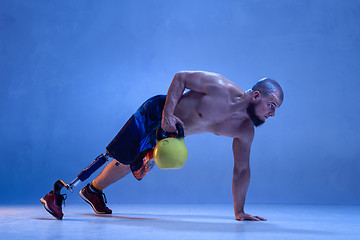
x=267, y=86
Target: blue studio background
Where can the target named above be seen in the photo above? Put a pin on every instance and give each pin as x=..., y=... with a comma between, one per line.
x=72, y=73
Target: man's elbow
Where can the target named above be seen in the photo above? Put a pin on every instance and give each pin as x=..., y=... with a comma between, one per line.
x=241, y=173
x=179, y=79
x=180, y=75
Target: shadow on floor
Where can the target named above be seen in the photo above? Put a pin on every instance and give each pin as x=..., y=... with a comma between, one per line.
x=191, y=223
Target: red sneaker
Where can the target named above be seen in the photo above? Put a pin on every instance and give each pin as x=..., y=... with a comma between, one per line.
x=96, y=200
x=52, y=203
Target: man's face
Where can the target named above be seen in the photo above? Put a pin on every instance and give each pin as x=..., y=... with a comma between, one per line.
x=263, y=107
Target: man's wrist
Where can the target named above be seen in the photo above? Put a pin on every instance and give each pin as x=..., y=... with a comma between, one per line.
x=166, y=117
x=239, y=211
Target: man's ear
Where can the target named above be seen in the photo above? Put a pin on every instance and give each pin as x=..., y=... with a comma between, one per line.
x=256, y=96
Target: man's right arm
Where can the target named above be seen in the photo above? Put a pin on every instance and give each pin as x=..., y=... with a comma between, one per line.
x=198, y=81
x=241, y=174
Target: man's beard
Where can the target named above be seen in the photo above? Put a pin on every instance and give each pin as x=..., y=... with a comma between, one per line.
x=255, y=119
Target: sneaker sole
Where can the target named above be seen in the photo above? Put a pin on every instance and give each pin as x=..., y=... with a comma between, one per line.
x=42, y=200
x=88, y=201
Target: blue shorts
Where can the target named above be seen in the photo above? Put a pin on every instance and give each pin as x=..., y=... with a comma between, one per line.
x=138, y=137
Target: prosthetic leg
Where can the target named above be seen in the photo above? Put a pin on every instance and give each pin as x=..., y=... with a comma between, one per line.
x=83, y=175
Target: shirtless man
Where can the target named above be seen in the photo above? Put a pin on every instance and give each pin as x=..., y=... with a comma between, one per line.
x=213, y=104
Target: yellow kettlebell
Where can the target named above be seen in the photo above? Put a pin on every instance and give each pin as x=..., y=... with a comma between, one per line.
x=170, y=152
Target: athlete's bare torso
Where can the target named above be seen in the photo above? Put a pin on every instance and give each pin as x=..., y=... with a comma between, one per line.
x=215, y=104
x=222, y=112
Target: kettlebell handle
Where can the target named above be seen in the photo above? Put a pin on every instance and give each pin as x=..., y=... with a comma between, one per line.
x=161, y=134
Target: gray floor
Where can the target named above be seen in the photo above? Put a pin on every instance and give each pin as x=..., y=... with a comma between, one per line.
x=182, y=222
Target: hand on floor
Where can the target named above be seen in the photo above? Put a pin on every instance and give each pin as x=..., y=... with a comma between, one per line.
x=248, y=217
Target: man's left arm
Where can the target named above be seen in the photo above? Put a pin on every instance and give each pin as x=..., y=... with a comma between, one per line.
x=241, y=178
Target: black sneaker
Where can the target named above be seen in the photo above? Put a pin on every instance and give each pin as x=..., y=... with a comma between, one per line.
x=96, y=200
x=52, y=203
